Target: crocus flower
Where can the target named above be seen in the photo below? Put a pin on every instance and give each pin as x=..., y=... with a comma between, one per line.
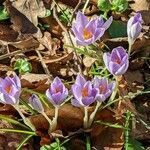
x=57, y=92
x=134, y=27
x=104, y=88
x=87, y=32
x=10, y=89
x=84, y=93
x=117, y=61
x=36, y=103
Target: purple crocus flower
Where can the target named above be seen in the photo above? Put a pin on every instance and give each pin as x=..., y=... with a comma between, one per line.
x=36, y=103
x=134, y=27
x=10, y=89
x=57, y=92
x=104, y=88
x=84, y=93
x=117, y=62
x=87, y=32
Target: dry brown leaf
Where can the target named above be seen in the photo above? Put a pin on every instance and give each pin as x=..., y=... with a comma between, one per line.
x=139, y=5
x=51, y=44
x=32, y=9
x=20, y=22
x=70, y=119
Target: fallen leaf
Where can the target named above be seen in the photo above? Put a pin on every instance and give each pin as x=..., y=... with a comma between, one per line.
x=20, y=22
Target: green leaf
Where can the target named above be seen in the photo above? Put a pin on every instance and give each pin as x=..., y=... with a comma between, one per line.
x=133, y=145
x=104, y=5
x=23, y=66
x=3, y=13
x=119, y=5
x=118, y=29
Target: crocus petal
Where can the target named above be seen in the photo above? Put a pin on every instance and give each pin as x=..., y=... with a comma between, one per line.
x=106, y=59
x=121, y=70
x=36, y=103
x=136, y=30
x=113, y=67
x=76, y=103
x=99, y=33
x=76, y=90
x=88, y=101
x=80, y=80
x=10, y=99
x=107, y=24
x=81, y=19
x=101, y=97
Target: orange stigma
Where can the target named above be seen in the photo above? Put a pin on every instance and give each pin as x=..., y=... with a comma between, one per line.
x=57, y=89
x=87, y=34
x=117, y=60
x=8, y=89
x=84, y=92
x=102, y=89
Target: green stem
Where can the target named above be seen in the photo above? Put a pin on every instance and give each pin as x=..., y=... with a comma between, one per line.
x=17, y=131
x=113, y=95
x=85, y=120
x=127, y=123
x=25, y=120
x=23, y=142
x=92, y=116
x=88, y=143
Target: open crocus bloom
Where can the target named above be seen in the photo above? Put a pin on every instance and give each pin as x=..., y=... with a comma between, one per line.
x=87, y=32
x=10, y=89
x=83, y=92
x=57, y=92
x=117, y=61
x=134, y=27
x=104, y=88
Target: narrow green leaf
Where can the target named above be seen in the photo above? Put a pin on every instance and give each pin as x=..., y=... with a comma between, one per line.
x=12, y=121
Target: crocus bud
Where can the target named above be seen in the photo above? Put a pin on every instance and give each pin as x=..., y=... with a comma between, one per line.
x=10, y=89
x=83, y=92
x=57, y=92
x=36, y=103
x=87, y=32
x=134, y=27
x=104, y=88
x=117, y=61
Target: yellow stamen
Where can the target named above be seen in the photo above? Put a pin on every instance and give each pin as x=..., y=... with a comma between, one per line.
x=84, y=92
x=87, y=34
x=8, y=89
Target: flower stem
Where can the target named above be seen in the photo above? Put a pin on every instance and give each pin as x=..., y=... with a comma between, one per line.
x=88, y=143
x=130, y=46
x=47, y=118
x=25, y=120
x=54, y=121
x=85, y=120
x=113, y=95
x=92, y=116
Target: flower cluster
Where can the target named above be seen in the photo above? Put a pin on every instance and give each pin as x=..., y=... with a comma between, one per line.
x=84, y=92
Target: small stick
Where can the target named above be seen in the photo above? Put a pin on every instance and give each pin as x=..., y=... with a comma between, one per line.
x=86, y=4
x=76, y=8
x=15, y=53
x=69, y=39
x=43, y=64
